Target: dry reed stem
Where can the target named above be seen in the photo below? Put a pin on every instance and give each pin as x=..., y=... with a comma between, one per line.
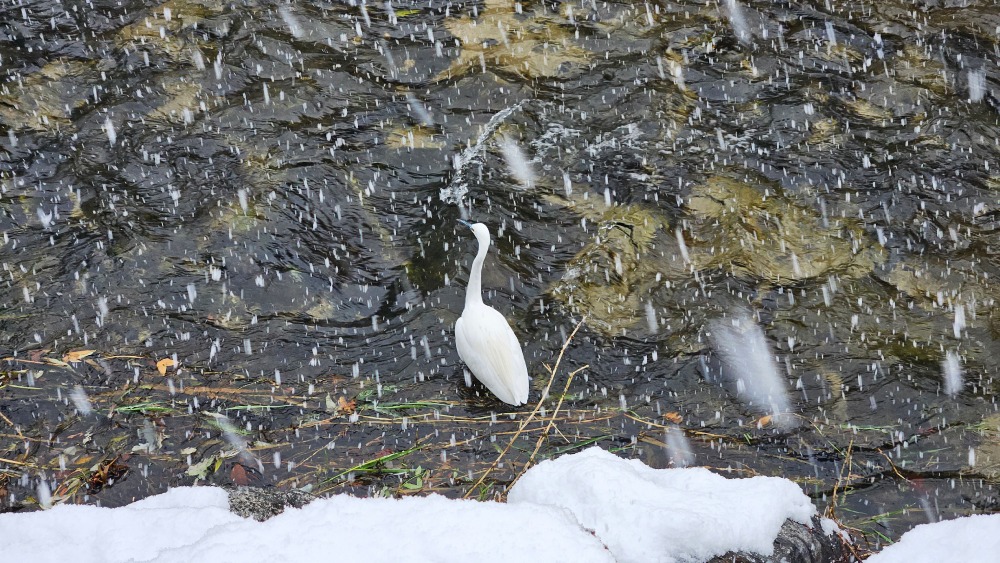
x=15, y=462
x=12, y=425
x=552, y=421
x=892, y=465
x=690, y=431
x=830, y=509
x=545, y=394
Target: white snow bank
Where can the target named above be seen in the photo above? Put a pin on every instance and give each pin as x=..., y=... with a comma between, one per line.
x=973, y=539
x=139, y=531
x=645, y=514
x=194, y=524
x=639, y=513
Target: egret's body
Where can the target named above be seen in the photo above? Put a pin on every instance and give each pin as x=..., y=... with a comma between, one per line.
x=485, y=341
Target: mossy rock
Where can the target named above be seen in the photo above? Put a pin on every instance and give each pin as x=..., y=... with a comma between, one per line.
x=607, y=280
x=761, y=233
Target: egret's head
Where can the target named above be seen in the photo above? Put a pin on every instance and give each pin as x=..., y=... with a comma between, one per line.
x=481, y=231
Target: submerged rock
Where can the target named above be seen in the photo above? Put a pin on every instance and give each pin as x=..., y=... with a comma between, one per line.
x=769, y=236
x=502, y=39
x=609, y=277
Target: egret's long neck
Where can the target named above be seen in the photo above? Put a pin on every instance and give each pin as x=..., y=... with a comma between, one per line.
x=474, y=292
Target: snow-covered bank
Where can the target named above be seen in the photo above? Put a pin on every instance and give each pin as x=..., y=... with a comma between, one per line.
x=645, y=514
x=194, y=524
x=970, y=539
x=590, y=506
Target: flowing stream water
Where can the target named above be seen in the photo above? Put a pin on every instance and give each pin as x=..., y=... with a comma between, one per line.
x=230, y=251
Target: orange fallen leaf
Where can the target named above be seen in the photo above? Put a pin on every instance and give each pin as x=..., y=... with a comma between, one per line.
x=674, y=417
x=76, y=355
x=163, y=364
x=764, y=421
x=344, y=406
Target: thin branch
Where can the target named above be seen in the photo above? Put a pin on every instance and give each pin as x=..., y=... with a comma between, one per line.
x=552, y=421
x=836, y=486
x=545, y=394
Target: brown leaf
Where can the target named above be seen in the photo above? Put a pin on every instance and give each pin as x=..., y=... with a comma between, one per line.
x=76, y=355
x=36, y=355
x=105, y=473
x=764, y=421
x=344, y=406
x=163, y=364
x=239, y=475
x=674, y=417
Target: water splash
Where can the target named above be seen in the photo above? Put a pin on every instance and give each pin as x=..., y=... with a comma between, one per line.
x=294, y=26
x=81, y=401
x=44, y=494
x=232, y=436
x=419, y=110
x=109, y=128
x=458, y=187
x=959, y=324
x=831, y=34
x=45, y=218
x=651, y=321
x=977, y=84
x=682, y=246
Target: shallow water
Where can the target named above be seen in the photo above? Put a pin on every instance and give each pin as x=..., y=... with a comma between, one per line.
x=267, y=194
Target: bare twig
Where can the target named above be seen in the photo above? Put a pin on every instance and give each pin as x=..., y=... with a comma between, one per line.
x=847, y=463
x=545, y=393
x=552, y=421
x=16, y=462
x=12, y=425
x=892, y=465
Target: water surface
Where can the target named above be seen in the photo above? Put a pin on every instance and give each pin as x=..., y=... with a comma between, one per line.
x=265, y=196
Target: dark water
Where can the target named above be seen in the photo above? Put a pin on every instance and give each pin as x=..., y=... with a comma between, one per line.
x=267, y=194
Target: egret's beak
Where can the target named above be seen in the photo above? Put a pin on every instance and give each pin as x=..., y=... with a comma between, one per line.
x=466, y=223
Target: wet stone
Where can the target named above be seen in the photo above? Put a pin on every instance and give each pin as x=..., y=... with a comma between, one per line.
x=261, y=504
x=798, y=543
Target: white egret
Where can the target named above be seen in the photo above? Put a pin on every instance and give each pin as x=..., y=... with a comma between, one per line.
x=485, y=341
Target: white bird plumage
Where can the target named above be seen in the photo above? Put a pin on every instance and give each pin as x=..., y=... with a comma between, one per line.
x=485, y=341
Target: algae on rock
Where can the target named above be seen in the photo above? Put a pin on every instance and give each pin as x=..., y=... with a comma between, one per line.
x=987, y=454
x=733, y=227
x=609, y=278
x=762, y=233
x=530, y=46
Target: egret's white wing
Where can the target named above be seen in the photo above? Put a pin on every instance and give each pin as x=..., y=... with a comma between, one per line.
x=490, y=348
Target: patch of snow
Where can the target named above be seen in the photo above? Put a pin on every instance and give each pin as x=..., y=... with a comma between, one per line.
x=587, y=507
x=973, y=539
x=645, y=514
x=194, y=524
